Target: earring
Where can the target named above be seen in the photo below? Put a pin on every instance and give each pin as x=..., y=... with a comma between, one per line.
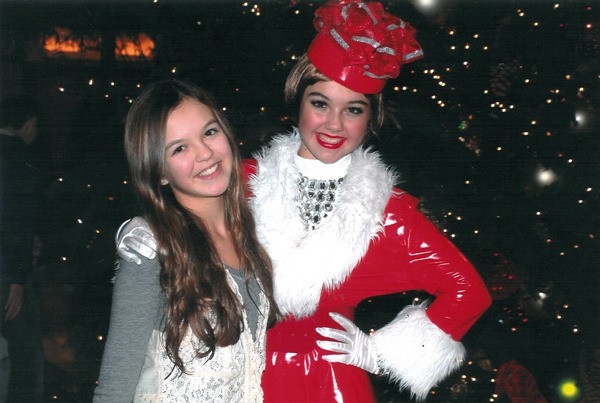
x=164, y=182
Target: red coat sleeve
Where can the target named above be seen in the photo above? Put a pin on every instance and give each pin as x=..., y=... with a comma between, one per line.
x=438, y=267
x=249, y=168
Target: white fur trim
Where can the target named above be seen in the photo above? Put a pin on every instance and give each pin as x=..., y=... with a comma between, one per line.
x=306, y=261
x=416, y=353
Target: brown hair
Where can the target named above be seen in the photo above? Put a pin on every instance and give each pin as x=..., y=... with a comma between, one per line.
x=305, y=74
x=192, y=277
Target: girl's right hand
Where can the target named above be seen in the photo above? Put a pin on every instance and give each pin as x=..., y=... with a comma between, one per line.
x=135, y=237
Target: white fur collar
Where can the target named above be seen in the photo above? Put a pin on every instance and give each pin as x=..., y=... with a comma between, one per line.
x=306, y=261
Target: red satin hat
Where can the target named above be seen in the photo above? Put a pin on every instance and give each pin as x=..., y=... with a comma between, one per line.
x=361, y=46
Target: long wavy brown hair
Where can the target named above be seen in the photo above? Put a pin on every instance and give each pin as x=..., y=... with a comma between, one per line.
x=192, y=277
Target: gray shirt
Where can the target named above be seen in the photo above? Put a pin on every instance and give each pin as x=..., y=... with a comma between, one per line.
x=138, y=308
x=250, y=296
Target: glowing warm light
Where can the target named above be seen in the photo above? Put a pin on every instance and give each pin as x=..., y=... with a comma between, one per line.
x=64, y=42
x=580, y=118
x=568, y=390
x=136, y=48
x=61, y=42
x=546, y=177
x=426, y=6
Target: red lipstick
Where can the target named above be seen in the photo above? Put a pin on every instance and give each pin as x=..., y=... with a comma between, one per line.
x=333, y=145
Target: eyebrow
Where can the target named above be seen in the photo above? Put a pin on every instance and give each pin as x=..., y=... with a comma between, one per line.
x=209, y=123
x=319, y=94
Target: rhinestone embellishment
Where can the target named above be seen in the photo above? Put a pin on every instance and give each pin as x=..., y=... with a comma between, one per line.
x=317, y=198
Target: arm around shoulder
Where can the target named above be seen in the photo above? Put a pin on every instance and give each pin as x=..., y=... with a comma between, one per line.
x=135, y=238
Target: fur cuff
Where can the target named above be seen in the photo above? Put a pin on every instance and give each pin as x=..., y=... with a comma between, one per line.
x=415, y=353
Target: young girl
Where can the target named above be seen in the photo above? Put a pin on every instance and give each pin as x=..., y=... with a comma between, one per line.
x=338, y=232
x=188, y=323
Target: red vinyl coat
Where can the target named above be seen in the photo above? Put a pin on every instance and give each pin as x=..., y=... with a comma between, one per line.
x=411, y=254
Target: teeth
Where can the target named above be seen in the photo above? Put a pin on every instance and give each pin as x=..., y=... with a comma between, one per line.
x=329, y=140
x=209, y=171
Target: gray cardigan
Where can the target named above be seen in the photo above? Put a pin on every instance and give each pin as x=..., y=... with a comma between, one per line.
x=135, y=367
x=137, y=309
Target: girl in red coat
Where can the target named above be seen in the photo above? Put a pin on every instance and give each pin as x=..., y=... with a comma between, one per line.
x=338, y=232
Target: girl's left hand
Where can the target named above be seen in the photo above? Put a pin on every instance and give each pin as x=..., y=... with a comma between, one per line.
x=355, y=347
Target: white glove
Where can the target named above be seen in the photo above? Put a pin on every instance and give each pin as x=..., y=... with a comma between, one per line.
x=139, y=240
x=356, y=347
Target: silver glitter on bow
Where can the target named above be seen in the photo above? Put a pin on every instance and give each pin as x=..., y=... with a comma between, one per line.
x=339, y=39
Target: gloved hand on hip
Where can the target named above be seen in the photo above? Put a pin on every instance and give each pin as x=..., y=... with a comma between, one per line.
x=355, y=347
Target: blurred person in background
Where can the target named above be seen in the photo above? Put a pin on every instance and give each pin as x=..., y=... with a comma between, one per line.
x=19, y=323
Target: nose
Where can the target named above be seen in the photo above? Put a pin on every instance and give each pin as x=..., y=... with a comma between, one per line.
x=334, y=121
x=203, y=151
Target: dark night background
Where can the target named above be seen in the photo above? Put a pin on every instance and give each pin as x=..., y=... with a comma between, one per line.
x=496, y=130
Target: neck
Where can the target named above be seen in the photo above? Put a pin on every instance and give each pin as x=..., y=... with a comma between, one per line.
x=316, y=169
x=211, y=210
x=212, y=213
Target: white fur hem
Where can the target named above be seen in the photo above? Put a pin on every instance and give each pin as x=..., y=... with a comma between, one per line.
x=416, y=353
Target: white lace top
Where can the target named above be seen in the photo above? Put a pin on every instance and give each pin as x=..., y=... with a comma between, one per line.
x=136, y=367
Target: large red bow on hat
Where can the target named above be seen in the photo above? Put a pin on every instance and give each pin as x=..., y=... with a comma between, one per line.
x=373, y=39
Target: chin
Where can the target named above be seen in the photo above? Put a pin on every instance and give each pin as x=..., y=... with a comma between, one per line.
x=330, y=158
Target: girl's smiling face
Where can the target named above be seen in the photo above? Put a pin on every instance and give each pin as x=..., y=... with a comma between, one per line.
x=198, y=157
x=333, y=121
